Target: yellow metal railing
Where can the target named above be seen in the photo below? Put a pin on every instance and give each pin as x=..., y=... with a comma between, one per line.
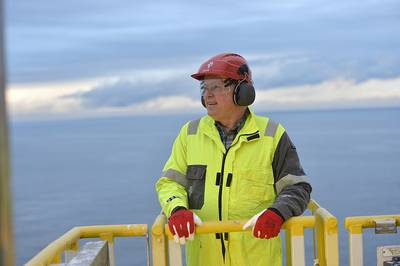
x=69, y=242
x=324, y=223
x=294, y=236
x=355, y=226
x=158, y=241
x=164, y=252
x=326, y=232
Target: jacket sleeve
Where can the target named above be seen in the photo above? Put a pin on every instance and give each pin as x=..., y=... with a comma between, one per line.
x=171, y=186
x=291, y=184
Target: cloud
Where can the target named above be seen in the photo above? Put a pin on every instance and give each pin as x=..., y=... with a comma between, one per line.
x=41, y=103
x=270, y=71
x=141, y=54
x=47, y=99
x=332, y=94
x=125, y=92
x=178, y=104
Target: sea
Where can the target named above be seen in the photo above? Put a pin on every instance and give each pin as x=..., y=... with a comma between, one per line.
x=95, y=171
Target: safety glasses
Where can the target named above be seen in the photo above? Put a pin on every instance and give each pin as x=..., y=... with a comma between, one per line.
x=215, y=86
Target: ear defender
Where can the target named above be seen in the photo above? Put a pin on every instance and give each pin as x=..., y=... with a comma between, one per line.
x=244, y=93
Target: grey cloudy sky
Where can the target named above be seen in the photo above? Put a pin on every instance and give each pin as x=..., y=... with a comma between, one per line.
x=287, y=43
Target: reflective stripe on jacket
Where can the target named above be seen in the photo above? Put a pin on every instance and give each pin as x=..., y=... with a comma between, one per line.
x=219, y=184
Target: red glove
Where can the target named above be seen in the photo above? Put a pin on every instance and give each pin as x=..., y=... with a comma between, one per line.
x=181, y=224
x=266, y=224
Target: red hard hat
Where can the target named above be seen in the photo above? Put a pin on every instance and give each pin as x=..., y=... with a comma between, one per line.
x=229, y=65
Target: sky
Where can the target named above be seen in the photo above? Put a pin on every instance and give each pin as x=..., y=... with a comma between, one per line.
x=97, y=58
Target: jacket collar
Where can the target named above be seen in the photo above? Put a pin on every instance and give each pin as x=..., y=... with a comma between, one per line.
x=249, y=128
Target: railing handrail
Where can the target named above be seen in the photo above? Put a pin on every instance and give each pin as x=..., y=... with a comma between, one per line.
x=324, y=221
x=210, y=227
x=70, y=239
x=46, y=256
x=237, y=225
x=324, y=224
x=360, y=222
x=117, y=230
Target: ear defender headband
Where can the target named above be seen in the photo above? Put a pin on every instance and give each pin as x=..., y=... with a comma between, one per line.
x=244, y=93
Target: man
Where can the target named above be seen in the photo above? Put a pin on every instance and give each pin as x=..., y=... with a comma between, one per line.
x=231, y=165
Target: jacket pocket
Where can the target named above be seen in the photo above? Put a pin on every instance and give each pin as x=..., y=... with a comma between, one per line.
x=196, y=177
x=255, y=189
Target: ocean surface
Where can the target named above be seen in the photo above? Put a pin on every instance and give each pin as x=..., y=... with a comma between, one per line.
x=95, y=171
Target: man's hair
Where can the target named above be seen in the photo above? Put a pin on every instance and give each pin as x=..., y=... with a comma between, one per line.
x=230, y=81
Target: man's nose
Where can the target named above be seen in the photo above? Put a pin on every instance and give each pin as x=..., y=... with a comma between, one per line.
x=208, y=93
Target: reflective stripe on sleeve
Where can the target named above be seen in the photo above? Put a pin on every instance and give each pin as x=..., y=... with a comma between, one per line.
x=193, y=125
x=288, y=180
x=176, y=176
x=271, y=128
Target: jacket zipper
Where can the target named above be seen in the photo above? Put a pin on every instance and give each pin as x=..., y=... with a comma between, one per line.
x=221, y=185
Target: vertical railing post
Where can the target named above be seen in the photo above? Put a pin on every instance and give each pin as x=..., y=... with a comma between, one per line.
x=110, y=240
x=158, y=242
x=327, y=236
x=356, y=245
x=294, y=235
x=174, y=253
x=297, y=239
x=175, y=249
x=6, y=228
x=289, y=247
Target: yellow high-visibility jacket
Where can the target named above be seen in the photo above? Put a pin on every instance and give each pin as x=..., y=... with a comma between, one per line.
x=219, y=185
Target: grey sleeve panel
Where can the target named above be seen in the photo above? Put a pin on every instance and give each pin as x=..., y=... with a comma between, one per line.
x=193, y=126
x=288, y=180
x=286, y=161
x=293, y=200
x=176, y=176
x=291, y=182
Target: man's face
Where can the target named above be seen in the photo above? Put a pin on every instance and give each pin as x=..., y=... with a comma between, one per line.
x=218, y=98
